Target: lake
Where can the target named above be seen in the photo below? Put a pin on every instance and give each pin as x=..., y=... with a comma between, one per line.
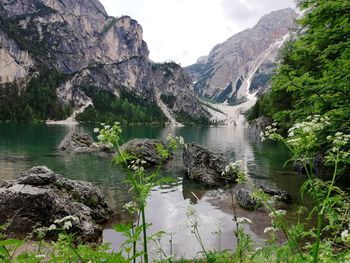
x=23, y=146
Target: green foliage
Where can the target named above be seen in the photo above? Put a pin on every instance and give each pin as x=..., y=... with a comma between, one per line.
x=28, y=38
x=314, y=74
x=109, y=25
x=141, y=184
x=186, y=118
x=169, y=100
x=127, y=108
x=37, y=102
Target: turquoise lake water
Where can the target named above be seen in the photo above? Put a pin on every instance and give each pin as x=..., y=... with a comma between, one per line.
x=25, y=146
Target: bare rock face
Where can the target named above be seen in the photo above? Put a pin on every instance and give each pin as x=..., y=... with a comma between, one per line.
x=145, y=150
x=258, y=125
x=79, y=39
x=80, y=143
x=246, y=58
x=175, y=89
x=205, y=166
x=39, y=197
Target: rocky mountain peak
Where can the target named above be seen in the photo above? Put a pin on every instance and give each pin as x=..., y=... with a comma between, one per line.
x=222, y=75
x=75, y=47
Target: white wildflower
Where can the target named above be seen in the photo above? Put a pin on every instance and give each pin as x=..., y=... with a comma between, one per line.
x=345, y=236
x=181, y=140
x=278, y=213
x=67, y=225
x=269, y=229
x=96, y=130
x=243, y=220
x=52, y=227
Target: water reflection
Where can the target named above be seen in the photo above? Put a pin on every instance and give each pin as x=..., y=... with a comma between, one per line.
x=24, y=146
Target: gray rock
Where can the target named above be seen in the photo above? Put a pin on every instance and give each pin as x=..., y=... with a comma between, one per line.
x=81, y=143
x=278, y=194
x=39, y=197
x=278, y=197
x=205, y=166
x=245, y=200
x=145, y=149
x=258, y=125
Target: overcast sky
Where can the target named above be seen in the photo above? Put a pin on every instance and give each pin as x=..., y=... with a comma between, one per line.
x=184, y=30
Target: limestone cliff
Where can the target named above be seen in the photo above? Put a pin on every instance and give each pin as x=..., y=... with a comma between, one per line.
x=223, y=74
x=78, y=39
x=175, y=89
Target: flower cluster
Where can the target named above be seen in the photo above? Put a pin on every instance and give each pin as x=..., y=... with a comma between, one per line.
x=137, y=165
x=345, y=236
x=269, y=133
x=269, y=229
x=339, y=140
x=130, y=207
x=174, y=141
x=243, y=220
x=109, y=134
x=65, y=222
x=232, y=167
x=278, y=213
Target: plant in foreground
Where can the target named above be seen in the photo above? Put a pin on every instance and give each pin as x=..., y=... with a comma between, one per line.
x=141, y=183
x=331, y=203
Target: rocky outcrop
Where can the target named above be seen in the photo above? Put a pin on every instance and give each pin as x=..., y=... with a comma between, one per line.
x=243, y=62
x=258, y=125
x=80, y=143
x=91, y=49
x=175, y=89
x=278, y=197
x=145, y=150
x=39, y=197
x=205, y=166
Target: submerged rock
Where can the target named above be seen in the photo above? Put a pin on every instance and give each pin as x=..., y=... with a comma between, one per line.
x=258, y=125
x=145, y=150
x=278, y=197
x=278, y=194
x=40, y=196
x=80, y=143
x=205, y=166
x=245, y=200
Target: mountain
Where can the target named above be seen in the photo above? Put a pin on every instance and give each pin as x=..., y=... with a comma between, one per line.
x=244, y=61
x=60, y=55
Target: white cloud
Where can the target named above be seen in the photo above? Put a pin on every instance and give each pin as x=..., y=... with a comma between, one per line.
x=185, y=30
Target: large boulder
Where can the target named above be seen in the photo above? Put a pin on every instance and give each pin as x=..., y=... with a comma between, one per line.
x=145, y=150
x=81, y=143
x=205, y=166
x=279, y=198
x=39, y=197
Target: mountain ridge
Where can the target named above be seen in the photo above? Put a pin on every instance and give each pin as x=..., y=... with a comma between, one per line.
x=220, y=75
x=86, y=46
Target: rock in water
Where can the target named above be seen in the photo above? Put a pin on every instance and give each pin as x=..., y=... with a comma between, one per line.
x=278, y=197
x=145, y=149
x=39, y=197
x=258, y=125
x=80, y=143
x=278, y=194
x=245, y=200
x=205, y=166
